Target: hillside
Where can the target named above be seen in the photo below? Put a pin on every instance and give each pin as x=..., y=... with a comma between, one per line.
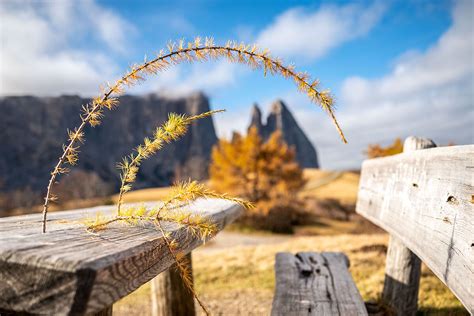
x=323, y=184
x=338, y=185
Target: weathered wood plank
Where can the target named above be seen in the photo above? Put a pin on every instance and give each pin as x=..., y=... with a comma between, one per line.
x=310, y=283
x=424, y=198
x=403, y=267
x=70, y=271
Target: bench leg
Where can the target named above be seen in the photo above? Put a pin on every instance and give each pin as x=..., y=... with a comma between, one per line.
x=169, y=295
x=402, y=278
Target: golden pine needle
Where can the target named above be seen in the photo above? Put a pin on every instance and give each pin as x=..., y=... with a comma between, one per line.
x=93, y=112
x=174, y=128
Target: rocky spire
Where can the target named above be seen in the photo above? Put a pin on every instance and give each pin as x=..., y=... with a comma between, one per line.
x=256, y=117
x=280, y=118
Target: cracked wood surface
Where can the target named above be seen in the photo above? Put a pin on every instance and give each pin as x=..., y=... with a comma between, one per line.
x=311, y=283
x=70, y=271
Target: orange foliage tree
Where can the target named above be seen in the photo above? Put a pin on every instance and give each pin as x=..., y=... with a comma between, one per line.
x=375, y=150
x=265, y=173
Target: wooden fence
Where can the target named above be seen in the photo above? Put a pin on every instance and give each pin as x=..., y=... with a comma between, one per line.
x=424, y=199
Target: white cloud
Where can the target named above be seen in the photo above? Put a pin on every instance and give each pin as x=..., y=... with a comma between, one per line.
x=41, y=50
x=205, y=77
x=184, y=79
x=428, y=93
x=231, y=120
x=300, y=33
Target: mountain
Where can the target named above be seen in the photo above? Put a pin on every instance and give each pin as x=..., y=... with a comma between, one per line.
x=280, y=118
x=33, y=130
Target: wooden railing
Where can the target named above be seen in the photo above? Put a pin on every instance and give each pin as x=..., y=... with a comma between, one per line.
x=69, y=271
x=424, y=199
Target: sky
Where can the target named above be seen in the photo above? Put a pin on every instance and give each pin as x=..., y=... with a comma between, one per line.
x=396, y=68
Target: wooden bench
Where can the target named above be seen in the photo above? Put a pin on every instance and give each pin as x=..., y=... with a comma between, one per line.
x=68, y=271
x=424, y=200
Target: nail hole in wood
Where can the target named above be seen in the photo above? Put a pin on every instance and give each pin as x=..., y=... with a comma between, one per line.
x=451, y=199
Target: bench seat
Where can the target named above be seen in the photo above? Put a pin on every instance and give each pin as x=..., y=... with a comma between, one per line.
x=311, y=283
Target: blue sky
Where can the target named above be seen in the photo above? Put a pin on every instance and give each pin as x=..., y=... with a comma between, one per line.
x=396, y=68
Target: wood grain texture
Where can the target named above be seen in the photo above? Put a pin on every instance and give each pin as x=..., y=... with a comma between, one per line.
x=403, y=267
x=424, y=198
x=310, y=283
x=70, y=271
x=169, y=294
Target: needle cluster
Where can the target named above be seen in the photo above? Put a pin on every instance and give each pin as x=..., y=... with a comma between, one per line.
x=197, y=225
x=183, y=193
x=197, y=50
x=175, y=127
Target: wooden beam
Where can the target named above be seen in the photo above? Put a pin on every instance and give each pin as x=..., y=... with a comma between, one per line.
x=425, y=199
x=311, y=283
x=70, y=271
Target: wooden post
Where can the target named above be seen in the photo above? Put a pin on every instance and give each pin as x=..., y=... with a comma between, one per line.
x=169, y=295
x=403, y=267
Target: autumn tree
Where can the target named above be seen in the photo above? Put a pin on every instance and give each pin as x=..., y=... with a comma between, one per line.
x=375, y=150
x=265, y=173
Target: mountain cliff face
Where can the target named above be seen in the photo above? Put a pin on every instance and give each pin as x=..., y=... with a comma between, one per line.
x=33, y=130
x=280, y=118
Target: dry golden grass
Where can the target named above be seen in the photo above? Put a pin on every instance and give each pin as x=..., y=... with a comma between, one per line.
x=241, y=281
x=323, y=184
x=144, y=195
x=338, y=185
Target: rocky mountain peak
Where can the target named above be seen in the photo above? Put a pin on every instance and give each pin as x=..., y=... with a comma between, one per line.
x=256, y=116
x=280, y=118
x=34, y=131
x=278, y=107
